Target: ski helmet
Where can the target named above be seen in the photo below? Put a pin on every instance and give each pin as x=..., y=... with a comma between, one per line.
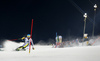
x=28, y=35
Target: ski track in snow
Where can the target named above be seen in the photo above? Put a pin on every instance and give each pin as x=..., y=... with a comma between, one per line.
x=47, y=53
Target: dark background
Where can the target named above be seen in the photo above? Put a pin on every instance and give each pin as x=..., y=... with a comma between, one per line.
x=50, y=16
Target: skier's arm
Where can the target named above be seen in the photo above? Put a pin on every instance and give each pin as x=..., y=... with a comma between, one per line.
x=23, y=39
x=32, y=44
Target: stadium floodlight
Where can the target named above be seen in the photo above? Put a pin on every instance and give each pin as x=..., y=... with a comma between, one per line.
x=85, y=16
x=95, y=7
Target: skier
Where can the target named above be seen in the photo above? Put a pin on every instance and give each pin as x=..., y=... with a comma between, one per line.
x=77, y=42
x=26, y=44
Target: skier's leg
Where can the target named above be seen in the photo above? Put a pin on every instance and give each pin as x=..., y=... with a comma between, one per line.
x=25, y=46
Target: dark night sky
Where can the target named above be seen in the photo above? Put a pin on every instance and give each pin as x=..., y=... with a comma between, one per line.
x=50, y=16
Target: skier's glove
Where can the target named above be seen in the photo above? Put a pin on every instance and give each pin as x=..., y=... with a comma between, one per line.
x=23, y=38
x=33, y=48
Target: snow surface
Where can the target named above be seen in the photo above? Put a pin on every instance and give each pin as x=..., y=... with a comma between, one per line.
x=47, y=53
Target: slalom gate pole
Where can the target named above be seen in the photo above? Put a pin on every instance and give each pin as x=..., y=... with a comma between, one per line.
x=95, y=41
x=31, y=36
x=12, y=39
x=56, y=40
